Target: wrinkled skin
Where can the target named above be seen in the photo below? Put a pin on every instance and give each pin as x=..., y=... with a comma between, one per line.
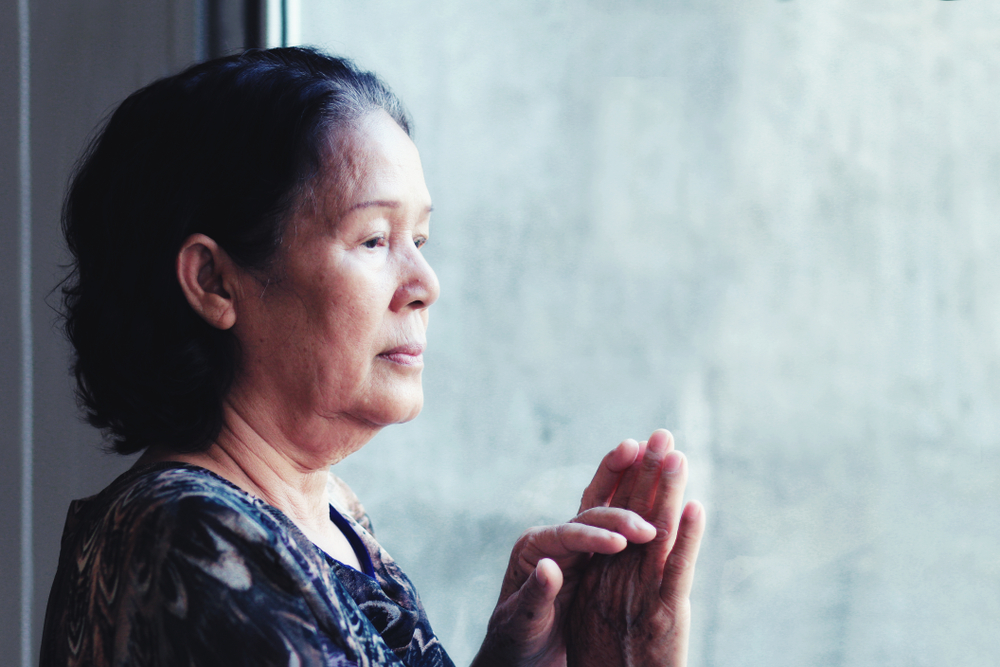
x=620, y=621
x=634, y=608
x=627, y=604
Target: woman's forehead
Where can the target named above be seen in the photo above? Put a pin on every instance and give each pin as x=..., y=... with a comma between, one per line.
x=372, y=160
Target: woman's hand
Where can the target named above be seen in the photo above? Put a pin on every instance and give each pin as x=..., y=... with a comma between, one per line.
x=633, y=608
x=527, y=626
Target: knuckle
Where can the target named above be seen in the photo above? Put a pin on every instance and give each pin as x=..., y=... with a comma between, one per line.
x=679, y=603
x=528, y=536
x=678, y=565
x=651, y=462
x=642, y=507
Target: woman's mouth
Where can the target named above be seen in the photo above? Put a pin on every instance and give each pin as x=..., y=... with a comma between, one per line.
x=411, y=354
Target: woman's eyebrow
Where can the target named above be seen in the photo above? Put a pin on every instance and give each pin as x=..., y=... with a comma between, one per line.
x=381, y=203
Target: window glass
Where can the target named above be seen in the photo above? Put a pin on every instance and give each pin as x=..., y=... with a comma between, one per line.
x=771, y=227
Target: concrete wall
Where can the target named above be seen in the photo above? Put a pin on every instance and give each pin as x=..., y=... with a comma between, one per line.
x=770, y=226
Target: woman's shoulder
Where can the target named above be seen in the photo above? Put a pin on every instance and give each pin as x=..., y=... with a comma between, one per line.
x=161, y=485
x=168, y=481
x=150, y=518
x=195, y=566
x=153, y=499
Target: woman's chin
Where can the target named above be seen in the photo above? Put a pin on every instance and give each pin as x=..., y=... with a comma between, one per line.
x=399, y=408
x=410, y=411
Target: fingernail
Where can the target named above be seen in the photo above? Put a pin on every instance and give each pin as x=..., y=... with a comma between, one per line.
x=642, y=524
x=627, y=444
x=673, y=462
x=543, y=578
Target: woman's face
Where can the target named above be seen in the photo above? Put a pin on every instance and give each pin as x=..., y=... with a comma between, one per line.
x=339, y=338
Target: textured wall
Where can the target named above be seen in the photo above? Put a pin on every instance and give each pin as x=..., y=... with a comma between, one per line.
x=770, y=226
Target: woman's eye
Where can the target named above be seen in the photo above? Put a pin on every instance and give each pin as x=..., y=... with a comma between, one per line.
x=374, y=242
x=419, y=241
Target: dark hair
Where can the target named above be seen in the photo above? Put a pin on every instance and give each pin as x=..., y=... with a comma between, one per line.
x=224, y=148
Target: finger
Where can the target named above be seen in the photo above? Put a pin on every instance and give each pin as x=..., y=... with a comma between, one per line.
x=624, y=490
x=628, y=524
x=678, y=573
x=598, y=493
x=647, y=480
x=534, y=545
x=549, y=577
x=523, y=623
x=534, y=604
x=569, y=541
x=542, y=586
x=666, y=512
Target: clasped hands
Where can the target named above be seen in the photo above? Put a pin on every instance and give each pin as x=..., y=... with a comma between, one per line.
x=610, y=587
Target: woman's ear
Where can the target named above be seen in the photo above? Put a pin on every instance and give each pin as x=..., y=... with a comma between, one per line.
x=208, y=277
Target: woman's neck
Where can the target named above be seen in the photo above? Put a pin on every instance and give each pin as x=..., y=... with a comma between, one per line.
x=288, y=473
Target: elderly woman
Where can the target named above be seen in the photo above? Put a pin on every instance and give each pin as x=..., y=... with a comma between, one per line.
x=248, y=306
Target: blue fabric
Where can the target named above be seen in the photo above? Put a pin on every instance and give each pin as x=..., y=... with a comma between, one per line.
x=173, y=565
x=359, y=548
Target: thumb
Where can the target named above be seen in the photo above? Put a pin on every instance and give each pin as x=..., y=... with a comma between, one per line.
x=539, y=591
x=522, y=626
x=531, y=611
x=533, y=616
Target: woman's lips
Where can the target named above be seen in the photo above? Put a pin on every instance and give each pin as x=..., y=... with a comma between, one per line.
x=405, y=355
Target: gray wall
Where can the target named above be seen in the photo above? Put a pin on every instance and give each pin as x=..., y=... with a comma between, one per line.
x=770, y=226
x=10, y=338
x=84, y=57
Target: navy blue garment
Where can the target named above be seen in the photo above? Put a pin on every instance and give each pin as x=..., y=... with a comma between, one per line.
x=173, y=565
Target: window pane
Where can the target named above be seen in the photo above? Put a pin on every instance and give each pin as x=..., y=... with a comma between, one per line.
x=771, y=227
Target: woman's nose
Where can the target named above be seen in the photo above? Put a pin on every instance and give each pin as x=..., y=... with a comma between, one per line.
x=419, y=286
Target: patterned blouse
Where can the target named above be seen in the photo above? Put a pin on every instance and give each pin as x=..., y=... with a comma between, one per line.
x=173, y=565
